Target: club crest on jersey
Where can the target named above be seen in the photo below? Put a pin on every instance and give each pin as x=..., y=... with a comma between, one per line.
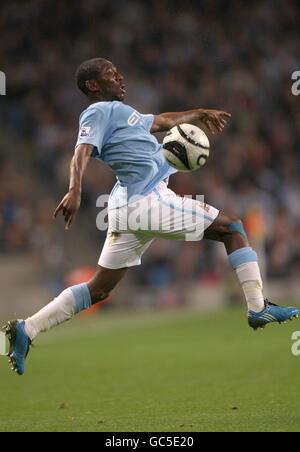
x=85, y=132
x=135, y=118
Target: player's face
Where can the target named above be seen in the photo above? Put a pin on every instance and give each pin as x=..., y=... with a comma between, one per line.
x=111, y=84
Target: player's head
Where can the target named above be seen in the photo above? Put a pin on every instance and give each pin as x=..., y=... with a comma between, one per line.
x=99, y=79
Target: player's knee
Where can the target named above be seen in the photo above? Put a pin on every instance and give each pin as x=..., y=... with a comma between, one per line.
x=236, y=226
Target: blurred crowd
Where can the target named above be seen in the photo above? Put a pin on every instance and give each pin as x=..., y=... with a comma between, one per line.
x=232, y=55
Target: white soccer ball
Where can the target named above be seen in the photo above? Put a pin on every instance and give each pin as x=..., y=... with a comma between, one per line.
x=186, y=147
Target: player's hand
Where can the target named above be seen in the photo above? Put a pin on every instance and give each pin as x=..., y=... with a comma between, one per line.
x=69, y=206
x=215, y=120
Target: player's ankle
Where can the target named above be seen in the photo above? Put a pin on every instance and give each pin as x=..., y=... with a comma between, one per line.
x=254, y=295
x=30, y=330
x=255, y=306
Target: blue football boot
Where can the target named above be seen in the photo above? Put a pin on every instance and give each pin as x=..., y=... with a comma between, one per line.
x=19, y=345
x=272, y=313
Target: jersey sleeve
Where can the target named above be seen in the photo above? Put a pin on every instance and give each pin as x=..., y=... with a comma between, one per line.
x=148, y=121
x=92, y=127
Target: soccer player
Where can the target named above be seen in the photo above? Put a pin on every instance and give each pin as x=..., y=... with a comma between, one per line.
x=123, y=138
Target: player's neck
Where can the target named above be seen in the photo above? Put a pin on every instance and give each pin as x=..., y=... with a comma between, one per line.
x=99, y=98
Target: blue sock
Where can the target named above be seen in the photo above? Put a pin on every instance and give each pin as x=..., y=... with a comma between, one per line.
x=82, y=297
x=242, y=256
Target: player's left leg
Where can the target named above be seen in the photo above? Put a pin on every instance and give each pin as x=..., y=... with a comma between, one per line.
x=244, y=261
x=69, y=303
x=120, y=251
x=74, y=300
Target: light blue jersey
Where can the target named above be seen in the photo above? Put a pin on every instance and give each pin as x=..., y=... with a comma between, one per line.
x=121, y=137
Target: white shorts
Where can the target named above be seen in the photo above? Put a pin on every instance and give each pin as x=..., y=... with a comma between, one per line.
x=161, y=214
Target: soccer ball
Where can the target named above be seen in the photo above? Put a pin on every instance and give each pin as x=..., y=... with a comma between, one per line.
x=186, y=147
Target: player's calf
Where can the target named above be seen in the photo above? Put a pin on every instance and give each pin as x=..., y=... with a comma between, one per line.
x=103, y=282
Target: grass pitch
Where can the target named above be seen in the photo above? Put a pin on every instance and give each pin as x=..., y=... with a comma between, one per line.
x=155, y=372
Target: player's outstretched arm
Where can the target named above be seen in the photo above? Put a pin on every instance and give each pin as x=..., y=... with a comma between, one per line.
x=72, y=200
x=214, y=120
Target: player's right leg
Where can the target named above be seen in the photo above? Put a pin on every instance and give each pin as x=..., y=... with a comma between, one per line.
x=69, y=303
x=244, y=261
x=187, y=219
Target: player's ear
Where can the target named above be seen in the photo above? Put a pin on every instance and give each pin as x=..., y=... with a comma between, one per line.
x=92, y=86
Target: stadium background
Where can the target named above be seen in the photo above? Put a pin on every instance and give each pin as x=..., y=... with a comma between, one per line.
x=175, y=55
x=165, y=370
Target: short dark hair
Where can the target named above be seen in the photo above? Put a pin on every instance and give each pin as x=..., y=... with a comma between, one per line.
x=89, y=70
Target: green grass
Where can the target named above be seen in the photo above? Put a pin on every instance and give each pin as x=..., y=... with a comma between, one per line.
x=154, y=372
